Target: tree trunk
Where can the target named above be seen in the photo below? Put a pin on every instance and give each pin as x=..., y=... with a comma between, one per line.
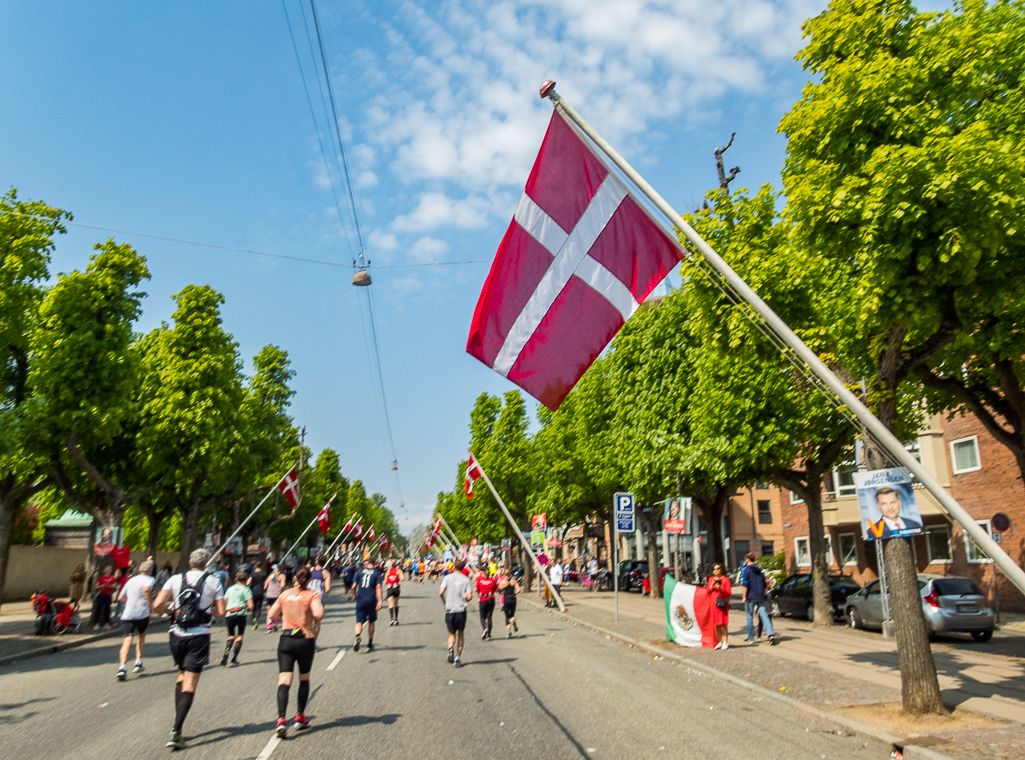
x=821, y=596
x=152, y=535
x=528, y=571
x=712, y=509
x=190, y=532
x=653, y=563
x=9, y=507
x=920, y=688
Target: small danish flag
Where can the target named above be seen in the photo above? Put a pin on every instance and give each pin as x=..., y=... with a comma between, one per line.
x=473, y=473
x=289, y=487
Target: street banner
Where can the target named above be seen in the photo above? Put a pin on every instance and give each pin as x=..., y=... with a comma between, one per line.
x=676, y=518
x=472, y=475
x=689, y=614
x=888, y=505
x=537, y=538
x=579, y=256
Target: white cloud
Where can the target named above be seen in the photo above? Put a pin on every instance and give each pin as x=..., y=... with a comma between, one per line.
x=366, y=179
x=436, y=210
x=382, y=241
x=461, y=106
x=427, y=248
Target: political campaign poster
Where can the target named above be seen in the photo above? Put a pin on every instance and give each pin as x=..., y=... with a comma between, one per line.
x=888, y=505
x=676, y=517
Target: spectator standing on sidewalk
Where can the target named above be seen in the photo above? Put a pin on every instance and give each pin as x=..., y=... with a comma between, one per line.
x=720, y=588
x=752, y=581
x=76, y=586
x=105, y=585
x=592, y=572
x=555, y=575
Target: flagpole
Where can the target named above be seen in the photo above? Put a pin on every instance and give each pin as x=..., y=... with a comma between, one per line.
x=526, y=545
x=339, y=536
x=882, y=435
x=451, y=533
x=255, y=509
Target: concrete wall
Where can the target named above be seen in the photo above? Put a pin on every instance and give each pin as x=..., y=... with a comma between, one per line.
x=48, y=567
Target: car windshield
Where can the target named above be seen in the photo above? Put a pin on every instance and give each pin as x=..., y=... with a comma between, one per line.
x=956, y=587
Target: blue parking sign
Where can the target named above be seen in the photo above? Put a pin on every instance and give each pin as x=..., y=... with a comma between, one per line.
x=623, y=509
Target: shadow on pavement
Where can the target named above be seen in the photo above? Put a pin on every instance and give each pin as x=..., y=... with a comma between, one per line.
x=354, y=720
x=577, y=745
x=468, y=663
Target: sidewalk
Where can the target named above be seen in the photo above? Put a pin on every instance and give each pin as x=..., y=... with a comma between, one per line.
x=18, y=638
x=837, y=668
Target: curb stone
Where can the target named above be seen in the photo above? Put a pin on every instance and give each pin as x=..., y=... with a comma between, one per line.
x=910, y=750
x=10, y=659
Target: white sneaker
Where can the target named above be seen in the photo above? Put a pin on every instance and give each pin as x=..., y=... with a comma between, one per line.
x=725, y=645
x=717, y=646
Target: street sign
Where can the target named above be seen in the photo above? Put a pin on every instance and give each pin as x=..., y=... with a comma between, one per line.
x=1000, y=522
x=623, y=509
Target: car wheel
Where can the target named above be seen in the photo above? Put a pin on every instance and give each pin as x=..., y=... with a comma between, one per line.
x=776, y=611
x=854, y=619
x=809, y=612
x=982, y=635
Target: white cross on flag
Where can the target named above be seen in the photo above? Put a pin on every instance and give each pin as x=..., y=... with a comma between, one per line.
x=358, y=532
x=289, y=487
x=578, y=257
x=370, y=534
x=383, y=541
x=473, y=473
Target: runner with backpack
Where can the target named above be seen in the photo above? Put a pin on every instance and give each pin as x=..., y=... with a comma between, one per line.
x=193, y=599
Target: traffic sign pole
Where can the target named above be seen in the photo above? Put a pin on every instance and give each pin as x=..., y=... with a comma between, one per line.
x=623, y=519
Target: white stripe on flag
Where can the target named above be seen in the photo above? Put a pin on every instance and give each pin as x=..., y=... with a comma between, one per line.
x=539, y=225
x=599, y=211
x=610, y=286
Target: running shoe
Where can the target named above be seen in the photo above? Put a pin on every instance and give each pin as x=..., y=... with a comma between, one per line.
x=300, y=722
x=177, y=740
x=355, y=647
x=451, y=655
x=138, y=667
x=508, y=635
x=281, y=730
x=725, y=645
x=233, y=664
x=370, y=646
x=774, y=639
x=122, y=674
x=516, y=628
x=458, y=662
x=224, y=660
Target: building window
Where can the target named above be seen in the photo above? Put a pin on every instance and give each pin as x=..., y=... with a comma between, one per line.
x=848, y=549
x=803, y=553
x=795, y=499
x=974, y=552
x=937, y=539
x=964, y=453
x=829, y=549
x=764, y=512
x=768, y=549
x=762, y=485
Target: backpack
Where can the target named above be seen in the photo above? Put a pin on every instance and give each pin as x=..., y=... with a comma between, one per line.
x=187, y=613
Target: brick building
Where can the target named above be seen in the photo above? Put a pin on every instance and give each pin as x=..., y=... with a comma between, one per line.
x=979, y=472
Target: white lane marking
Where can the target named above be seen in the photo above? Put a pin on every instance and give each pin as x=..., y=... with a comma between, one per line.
x=336, y=660
x=271, y=746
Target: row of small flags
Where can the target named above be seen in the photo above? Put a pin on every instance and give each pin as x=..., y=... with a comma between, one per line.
x=289, y=488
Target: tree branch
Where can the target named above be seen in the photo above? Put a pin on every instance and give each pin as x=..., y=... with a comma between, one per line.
x=724, y=181
x=89, y=469
x=979, y=400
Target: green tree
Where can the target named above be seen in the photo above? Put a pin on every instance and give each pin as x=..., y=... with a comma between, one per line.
x=27, y=230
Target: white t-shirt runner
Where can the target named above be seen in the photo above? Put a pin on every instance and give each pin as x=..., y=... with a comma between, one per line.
x=212, y=591
x=136, y=606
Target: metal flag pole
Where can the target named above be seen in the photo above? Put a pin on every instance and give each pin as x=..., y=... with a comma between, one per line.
x=255, y=510
x=876, y=429
x=451, y=533
x=303, y=535
x=526, y=545
x=339, y=537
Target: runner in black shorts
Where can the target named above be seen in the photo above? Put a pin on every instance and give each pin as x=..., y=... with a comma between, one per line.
x=455, y=592
x=256, y=581
x=237, y=602
x=508, y=588
x=392, y=580
x=368, y=602
x=301, y=611
x=198, y=595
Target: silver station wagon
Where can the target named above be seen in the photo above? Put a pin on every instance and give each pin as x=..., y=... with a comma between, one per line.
x=951, y=605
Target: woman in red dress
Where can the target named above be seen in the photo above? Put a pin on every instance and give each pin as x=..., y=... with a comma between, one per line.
x=720, y=588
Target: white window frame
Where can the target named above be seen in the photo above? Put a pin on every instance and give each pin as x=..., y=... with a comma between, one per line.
x=984, y=524
x=829, y=549
x=839, y=543
x=953, y=456
x=928, y=546
x=795, y=499
x=797, y=551
x=851, y=490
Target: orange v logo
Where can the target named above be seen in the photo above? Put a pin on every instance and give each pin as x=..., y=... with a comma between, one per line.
x=877, y=528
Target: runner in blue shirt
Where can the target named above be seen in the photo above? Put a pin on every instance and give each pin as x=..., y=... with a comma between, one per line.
x=368, y=602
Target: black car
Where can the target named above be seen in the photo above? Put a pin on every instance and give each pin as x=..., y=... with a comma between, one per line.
x=632, y=573
x=792, y=596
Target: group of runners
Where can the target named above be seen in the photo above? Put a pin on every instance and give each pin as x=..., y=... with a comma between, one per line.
x=294, y=602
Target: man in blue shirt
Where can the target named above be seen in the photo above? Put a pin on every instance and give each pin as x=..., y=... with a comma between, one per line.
x=752, y=582
x=368, y=602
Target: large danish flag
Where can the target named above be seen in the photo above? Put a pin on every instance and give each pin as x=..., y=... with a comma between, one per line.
x=576, y=261
x=289, y=487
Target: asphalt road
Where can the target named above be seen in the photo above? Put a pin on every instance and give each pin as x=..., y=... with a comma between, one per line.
x=555, y=691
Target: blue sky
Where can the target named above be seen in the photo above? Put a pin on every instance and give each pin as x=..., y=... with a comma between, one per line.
x=190, y=121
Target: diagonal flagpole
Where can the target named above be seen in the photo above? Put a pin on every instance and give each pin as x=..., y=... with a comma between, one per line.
x=255, y=510
x=301, y=537
x=875, y=428
x=523, y=541
x=451, y=533
x=340, y=536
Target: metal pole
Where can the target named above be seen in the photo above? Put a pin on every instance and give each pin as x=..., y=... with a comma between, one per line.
x=340, y=536
x=303, y=535
x=878, y=431
x=451, y=533
x=250, y=515
x=884, y=591
x=615, y=560
x=526, y=545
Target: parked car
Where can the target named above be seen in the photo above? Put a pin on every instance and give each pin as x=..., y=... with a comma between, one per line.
x=951, y=604
x=793, y=595
x=632, y=573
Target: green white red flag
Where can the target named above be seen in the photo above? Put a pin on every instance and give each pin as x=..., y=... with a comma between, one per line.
x=689, y=614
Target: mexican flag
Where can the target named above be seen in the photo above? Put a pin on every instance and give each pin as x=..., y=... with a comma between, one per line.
x=688, y=614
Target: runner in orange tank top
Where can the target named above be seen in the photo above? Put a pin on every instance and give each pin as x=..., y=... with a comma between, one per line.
x=301, y=612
